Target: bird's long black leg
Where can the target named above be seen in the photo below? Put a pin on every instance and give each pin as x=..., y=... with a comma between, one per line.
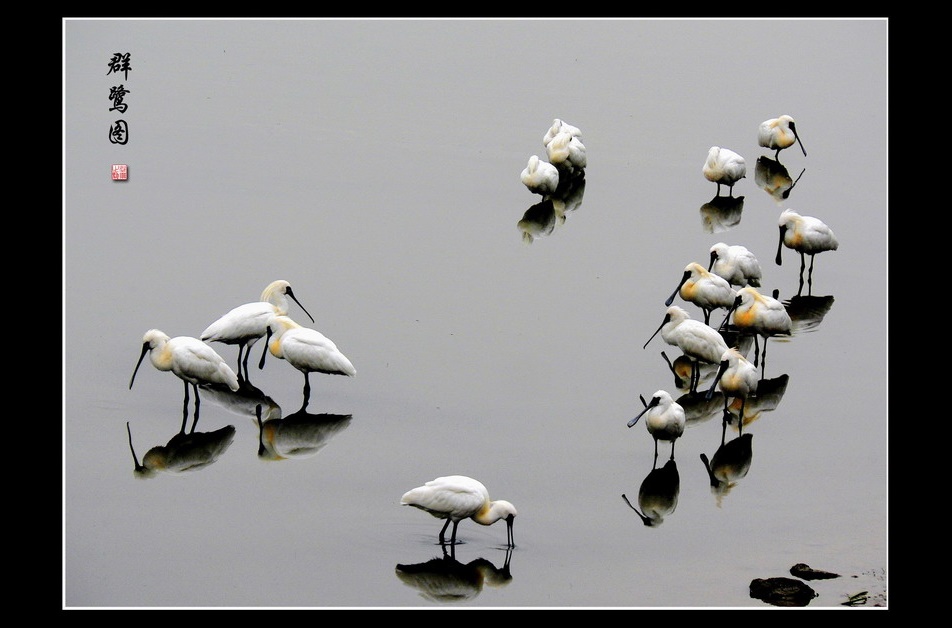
x=443, y=532
x=455, y=525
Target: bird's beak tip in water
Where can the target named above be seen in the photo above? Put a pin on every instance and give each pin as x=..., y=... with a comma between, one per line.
x=145, y=349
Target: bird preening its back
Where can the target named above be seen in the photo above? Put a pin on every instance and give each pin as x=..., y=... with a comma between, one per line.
x=724, y=167
x=458, y=497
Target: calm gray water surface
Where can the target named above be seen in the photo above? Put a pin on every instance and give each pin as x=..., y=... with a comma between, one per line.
x=375, y=165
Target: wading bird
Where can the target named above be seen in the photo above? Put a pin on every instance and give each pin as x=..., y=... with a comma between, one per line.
x=759, y=315
x=737, y=378
x=665, y=420
x=778, y=134
x=695, y=339
x=736, y=264
x=245, y=324
x=704, y=289
x=307, y=350
x=807, y=236
x=457, y=497
x=193, y=361
x=724, y=167
x=540, y=177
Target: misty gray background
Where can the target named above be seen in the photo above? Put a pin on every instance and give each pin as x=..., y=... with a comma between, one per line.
x=375, y=165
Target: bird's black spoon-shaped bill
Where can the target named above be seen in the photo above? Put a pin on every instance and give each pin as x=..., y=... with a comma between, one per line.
x=267, y=339
x=717, y=378
x=685, y=277
x=779, y=259
x=793, y=127
x=667, y=318
x=291, y=294
x=145, y=349
x=651, y=404
x=729, y=312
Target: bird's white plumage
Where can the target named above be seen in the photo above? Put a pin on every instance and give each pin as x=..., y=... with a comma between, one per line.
x=664, y=418
x=724, y=167
x=306, y=349
x=458, y=497
x=758, y=313
x=694, y=338
x=704, y=289
x=245, y=324
x=778, y=134
x=736, y=264
x=540, y=177
x=736, y=377
x=805, y=234
x=566, y=151
x=560, y=126
x=189, y=358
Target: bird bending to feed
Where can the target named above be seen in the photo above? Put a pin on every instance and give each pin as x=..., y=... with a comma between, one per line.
x=306, y=349
x=695, y=339
x=724, y=167
x=778, y=134
x=736, y=264
x=737, y=377
x=193, y=361
x=559, y=126
x=457, y=497
x=704, y=289
x=245, y=324
x=807, y=236
x=540, y=177
x=665, y=420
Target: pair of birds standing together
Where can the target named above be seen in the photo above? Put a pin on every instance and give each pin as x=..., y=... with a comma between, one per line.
x=566, y=153
x=453, y=498
x=725, y=167
x=197, y=364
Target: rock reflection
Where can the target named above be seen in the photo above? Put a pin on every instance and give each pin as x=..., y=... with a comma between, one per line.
x=298, y=435
x=658, y=494
x=448, y=580
x=729, y=464
x=186, y=451
x=721, y=213
x=772, y=177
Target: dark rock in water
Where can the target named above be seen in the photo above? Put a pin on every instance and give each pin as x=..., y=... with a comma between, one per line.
x=782, y=591
x=804, y=571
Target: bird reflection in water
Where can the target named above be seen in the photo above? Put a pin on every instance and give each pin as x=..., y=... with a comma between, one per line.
x=807, y=312
x=448, y=580
x=721, y=213
x=772, y=177
x=245, y=401
x=766, y=399
x=186, y=451
x=658, y=494
x=542, y=218
x=730, y=463
x=298, y=435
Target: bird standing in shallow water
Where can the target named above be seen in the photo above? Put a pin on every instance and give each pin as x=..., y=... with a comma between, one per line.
x=724, y=167
x=193, y=361
x=245, y=324
x=736, y=264
x=696, y=340
x=760, y=315
x=704, y=289
x=737, y=378
x=457, y=497
x=307, y=350
x=778, y=134
x=807, y=236
x=665, y=419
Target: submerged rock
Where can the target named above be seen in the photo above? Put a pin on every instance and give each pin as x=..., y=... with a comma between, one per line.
x=804, y=571
x=782, y=591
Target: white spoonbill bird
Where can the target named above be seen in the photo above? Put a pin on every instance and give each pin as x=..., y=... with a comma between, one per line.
x=807, y=236
x=307, y=350
x=736, y=264
x=737, y=378
x=778, y=134
x=704, y=289
x=540, y=177
x=665, y=420
x=760, y=315
x=247, y=323
x=567, y=152
x=724, y=167
x=457, y=497
x=193, y=361
x=696, y=340
x=559, y=126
